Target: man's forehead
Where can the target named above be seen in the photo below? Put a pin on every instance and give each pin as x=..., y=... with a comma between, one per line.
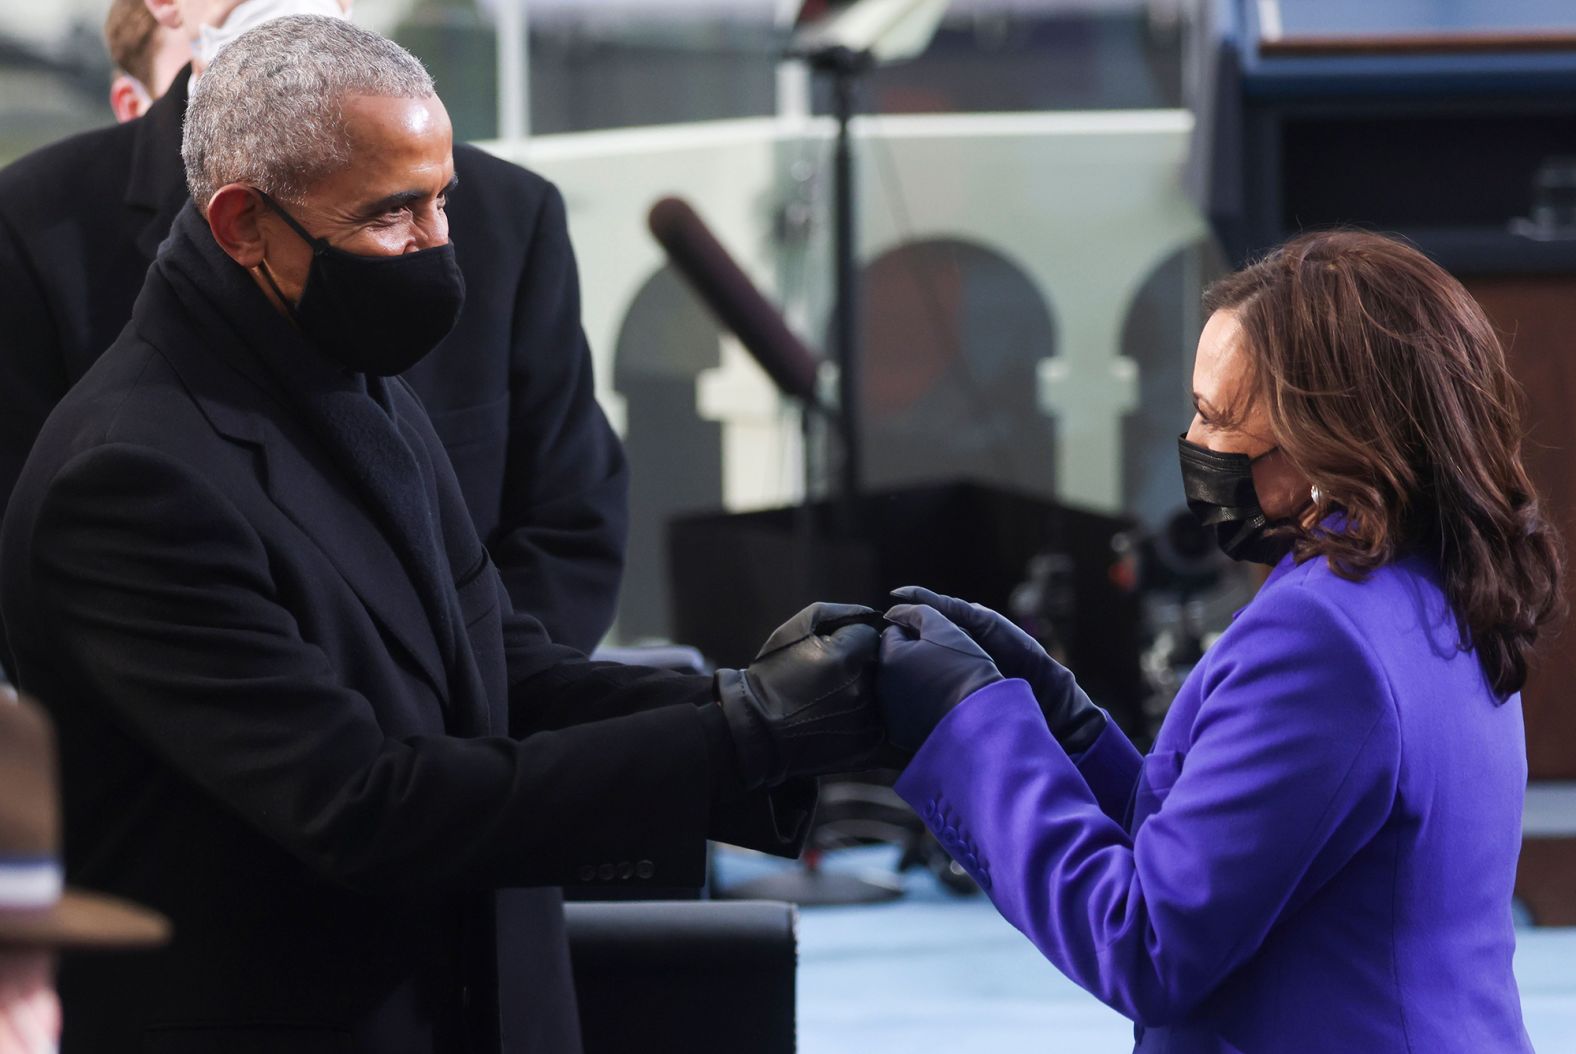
x=388, y=123
x=398, y=147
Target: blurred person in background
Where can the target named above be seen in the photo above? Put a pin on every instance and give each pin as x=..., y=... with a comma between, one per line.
x=510, y=390
x=1319, y=852
x=38, y=916
x=147, y=57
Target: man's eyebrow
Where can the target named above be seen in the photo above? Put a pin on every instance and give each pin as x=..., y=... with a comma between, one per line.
x=401, y=199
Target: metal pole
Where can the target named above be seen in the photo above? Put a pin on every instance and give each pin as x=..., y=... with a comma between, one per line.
x=514, y=70
x=845, y=77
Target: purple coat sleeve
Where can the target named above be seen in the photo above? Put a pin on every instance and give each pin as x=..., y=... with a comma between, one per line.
x=1291, y=768
x=1110, y=767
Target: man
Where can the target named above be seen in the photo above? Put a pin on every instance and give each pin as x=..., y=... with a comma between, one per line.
x=147, y=57
x=297, y=712
x=510, y=390
x=38, y=917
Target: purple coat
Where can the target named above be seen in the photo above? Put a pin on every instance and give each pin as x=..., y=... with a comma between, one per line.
x=1317, y=855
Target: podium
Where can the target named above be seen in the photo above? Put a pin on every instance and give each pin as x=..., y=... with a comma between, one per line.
x=1454, y=126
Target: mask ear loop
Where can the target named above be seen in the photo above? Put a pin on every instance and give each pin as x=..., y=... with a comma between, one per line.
x=317, y=245
x=268, y=276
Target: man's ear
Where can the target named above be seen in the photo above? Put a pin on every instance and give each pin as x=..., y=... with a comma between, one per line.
x=233, y=214
x=127, y=98
x=166, y=13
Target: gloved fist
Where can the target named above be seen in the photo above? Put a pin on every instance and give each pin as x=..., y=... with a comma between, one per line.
x=1073, y=719
x=928, y=666
x=806, y=705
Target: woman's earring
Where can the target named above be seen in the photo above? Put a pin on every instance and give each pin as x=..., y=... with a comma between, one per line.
x=1316, y=494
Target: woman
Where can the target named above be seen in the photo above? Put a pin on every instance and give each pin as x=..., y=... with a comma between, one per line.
x=1318, y=854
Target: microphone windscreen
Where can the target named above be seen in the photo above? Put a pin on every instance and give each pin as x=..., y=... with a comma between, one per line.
x=724, y=287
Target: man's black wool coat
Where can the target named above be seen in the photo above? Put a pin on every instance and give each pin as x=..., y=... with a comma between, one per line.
x=297, y=714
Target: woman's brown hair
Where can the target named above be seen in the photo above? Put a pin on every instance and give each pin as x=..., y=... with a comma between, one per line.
x=1387, y=387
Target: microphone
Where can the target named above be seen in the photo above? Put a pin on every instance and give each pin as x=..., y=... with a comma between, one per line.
x=733, y=298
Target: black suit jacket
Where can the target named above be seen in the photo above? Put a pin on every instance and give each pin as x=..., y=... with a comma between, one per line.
x=317, y=742
x=509, y=391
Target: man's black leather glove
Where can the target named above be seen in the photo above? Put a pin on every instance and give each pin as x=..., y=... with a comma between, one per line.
x=1073, y=719
x=928, y=666
x=806, y=705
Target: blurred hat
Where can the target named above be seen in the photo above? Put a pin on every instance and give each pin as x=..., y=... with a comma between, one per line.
x=36, y=910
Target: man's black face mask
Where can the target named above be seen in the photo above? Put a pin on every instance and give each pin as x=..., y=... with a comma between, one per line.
x=374, y=314
x=1220, y=492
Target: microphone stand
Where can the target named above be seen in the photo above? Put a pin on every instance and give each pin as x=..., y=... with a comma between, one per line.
x=844, y=66
x=843, y=46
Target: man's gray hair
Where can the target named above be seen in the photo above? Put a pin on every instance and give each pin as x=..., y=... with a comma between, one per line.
x=268, y=110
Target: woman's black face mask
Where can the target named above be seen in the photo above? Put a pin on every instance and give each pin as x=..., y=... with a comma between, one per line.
x=374, y=314
x=1220, y=492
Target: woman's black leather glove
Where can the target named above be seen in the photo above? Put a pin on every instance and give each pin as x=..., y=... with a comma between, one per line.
x=928, y=666
x=1073, y=719
x=807, y=704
